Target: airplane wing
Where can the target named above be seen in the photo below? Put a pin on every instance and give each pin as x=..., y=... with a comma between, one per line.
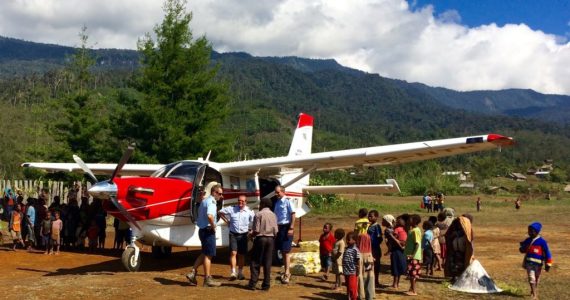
x=98, y=169
x=371, y=156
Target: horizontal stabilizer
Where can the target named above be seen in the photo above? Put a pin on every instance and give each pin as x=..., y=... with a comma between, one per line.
x=391, y=186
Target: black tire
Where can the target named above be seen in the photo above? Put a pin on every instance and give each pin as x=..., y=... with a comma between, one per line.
x=161, y=251
x=128, y=259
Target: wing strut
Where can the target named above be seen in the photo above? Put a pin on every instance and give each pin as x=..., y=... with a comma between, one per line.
x=292, y=181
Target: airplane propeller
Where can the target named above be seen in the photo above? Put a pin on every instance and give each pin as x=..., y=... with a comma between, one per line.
x=84, y=167
x=123, y=161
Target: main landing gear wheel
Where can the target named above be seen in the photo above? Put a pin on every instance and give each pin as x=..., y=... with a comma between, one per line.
x=161, y=251
x=131, y=260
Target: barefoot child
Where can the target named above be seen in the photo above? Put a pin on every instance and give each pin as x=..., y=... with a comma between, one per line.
x=427, y=247
x=350, y=265
x=536, y=254
x=56, y=227
x=413, y=252
x=395, y=247
x=46, y=232
x=337, y=253
x=375, y=233
x=326, y=243
x=435, y=244
x=93, y=236
x=15, y=226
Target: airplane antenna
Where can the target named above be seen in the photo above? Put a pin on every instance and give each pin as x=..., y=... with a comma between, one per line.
x=208, y=156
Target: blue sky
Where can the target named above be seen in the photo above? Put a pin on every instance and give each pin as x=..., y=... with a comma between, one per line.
x=549, y=16
x=458, y=44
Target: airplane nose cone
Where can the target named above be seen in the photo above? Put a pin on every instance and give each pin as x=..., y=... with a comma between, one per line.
x=103, y=190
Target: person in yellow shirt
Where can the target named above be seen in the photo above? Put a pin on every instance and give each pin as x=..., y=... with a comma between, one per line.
x=413, y=252
x=361, y=225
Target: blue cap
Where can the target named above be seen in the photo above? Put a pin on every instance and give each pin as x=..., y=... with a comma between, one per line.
x=536, y=226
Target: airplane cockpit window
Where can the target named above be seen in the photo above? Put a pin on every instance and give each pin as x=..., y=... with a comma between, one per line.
x=179, y=170
x=160, y=172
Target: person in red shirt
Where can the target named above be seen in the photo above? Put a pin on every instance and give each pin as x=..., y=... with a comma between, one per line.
x=326, y=244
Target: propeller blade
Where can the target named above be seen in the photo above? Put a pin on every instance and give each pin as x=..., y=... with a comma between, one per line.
x=123, y=161
x=85, y=168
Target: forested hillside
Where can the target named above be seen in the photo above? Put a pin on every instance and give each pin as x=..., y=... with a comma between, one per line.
x=43, y=119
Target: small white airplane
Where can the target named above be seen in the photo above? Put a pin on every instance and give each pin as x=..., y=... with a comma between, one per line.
x=160, y=203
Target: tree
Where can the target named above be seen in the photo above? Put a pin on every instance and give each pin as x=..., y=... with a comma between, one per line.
x=83, y=122
x=183, y=104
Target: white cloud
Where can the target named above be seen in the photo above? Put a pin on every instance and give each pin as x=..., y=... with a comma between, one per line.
x=378, y=36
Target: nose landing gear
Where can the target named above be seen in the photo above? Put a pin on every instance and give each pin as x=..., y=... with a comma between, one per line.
x=131, y=257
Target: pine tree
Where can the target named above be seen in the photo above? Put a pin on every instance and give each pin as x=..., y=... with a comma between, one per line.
x=183, y=104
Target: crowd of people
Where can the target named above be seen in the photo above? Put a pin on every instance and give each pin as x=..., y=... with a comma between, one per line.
x=33, y=225
x=443, y=242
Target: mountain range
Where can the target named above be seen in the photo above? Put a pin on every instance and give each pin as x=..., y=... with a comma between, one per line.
x=38, y=57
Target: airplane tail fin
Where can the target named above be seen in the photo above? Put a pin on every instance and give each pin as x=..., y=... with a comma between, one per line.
x=303, y=137
x=301, y=145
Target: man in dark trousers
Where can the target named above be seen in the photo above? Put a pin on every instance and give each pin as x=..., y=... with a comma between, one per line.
x=264, y=231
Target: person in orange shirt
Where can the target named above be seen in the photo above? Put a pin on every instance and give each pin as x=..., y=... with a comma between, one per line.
x=15, y=226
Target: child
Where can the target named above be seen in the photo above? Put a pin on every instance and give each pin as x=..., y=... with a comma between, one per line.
x=326, y=243
x=536, y=254
x=478, y=203
x=15, y=226
x=350, y=265
x=375, y=233
x=429, y=204
x=442, y=226
x=361, y=225
x=366, y=288
x=93, y=236
x=56, y=227
x=395, y=248
x=46, y=232
x=413, y=251
x=427, y=247
x=435, y=244
x=518, y=203
x=337, y=252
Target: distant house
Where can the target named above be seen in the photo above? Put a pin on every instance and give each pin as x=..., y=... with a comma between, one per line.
x=467, y=185
x=461, y=175
x=546, y=168
x=567, y=188
x=517, y=176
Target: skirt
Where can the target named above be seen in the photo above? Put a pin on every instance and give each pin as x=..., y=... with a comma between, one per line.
x=398, y=263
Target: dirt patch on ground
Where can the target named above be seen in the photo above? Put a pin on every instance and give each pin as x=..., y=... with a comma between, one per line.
x=498, y=230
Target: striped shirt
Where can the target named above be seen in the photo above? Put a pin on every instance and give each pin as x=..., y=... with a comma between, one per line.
x=350, y=260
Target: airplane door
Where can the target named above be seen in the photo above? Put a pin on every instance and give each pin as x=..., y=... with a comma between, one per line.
x=197, y=192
